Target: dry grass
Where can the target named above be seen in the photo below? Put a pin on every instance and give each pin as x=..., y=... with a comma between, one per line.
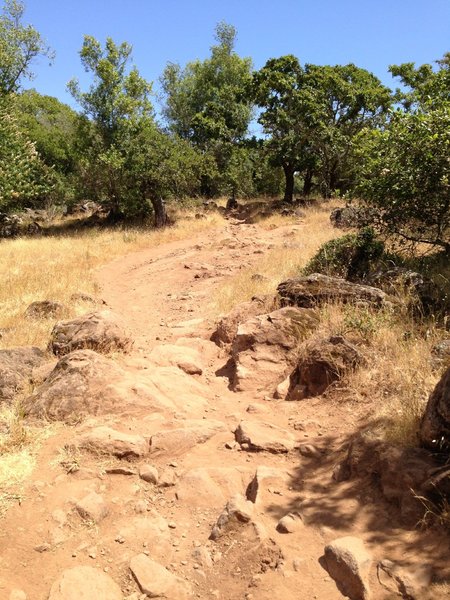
x=54, y=268
x=19, y=445
x=398, y=377
x=280, y=263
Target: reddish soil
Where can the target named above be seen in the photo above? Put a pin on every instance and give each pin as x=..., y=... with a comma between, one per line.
x=161, y=302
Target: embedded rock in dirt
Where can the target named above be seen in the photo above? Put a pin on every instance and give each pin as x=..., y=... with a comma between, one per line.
x=290, y=523
x=237, y=510
x=92, y=508
x=258, y=436
x=85, y=583
x=435, y=426
x=266, y=482
x=316, y=289
x=187, y=359
x=265, y=346
x=322, y=363
x=101, y=331
x=104, y=440
x=17, y=595
x=348, y=563
x=45, y=309
x=82, y=383
x=210, y=487
x=410, y=582
x=16, y=367
x=155, y=580
x=174, y=442
x=149, y=473
x=150, y=531
x=228, y=325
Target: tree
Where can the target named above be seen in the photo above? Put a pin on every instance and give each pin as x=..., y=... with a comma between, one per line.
x=157, y=166
x=20, y=45
x=312, y=114
x=279, y=89
x=24, y=179
x=206, y=103
x=405, y=171
x=117, y=97
x=52, y=126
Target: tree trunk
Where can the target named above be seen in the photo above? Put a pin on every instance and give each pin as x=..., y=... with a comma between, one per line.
x=307, y=182
x=289, y=172
x=159, y=208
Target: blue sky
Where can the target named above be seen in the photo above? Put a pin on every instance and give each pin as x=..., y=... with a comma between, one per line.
x=371, y=34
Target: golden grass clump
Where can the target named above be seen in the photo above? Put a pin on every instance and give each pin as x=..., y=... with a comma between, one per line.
x=280, y=263
x=54, y=268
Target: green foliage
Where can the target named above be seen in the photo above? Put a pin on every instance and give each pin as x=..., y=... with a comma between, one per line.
x=312, y=115
x=24, y=179
x=404, y=170
x=52, y=126
x=117, y=93
x=352, y=256
x=19, y=45
x=205, y=101
x=206, y=104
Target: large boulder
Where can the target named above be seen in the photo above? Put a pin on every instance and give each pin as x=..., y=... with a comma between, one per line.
x=266, y=347
x=16, y=368
x=228, y=325
x=84, y=583
x=435, y=426
x=101, y=331
x=316, y=289
x=82, y=383
x=348, y=563
x=323, y=362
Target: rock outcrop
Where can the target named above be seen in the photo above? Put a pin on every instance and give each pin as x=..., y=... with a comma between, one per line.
x=323, y=362
x=266, y=346
x=101, y=331
x=316, y=289
x=16, y=368
x=85, y=582
x=435, y=426
x=228, y=325
x=82, y=383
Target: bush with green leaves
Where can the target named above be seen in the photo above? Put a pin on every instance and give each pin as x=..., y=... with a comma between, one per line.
x=24, y=179
x=353, y=256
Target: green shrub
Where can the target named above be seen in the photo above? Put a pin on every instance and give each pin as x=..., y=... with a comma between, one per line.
x=352, y=256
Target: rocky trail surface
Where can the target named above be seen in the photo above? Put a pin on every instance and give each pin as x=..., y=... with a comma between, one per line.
x=174, y=476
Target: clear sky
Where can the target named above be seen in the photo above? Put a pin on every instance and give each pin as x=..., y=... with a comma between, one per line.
x=372, y=34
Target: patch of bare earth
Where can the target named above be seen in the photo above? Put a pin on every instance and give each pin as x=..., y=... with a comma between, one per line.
x=154, y=476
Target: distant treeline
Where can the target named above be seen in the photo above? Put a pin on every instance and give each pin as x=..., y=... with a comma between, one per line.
x=333, y=131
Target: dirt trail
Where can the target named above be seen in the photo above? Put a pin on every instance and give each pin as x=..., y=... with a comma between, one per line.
x=164, y=295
